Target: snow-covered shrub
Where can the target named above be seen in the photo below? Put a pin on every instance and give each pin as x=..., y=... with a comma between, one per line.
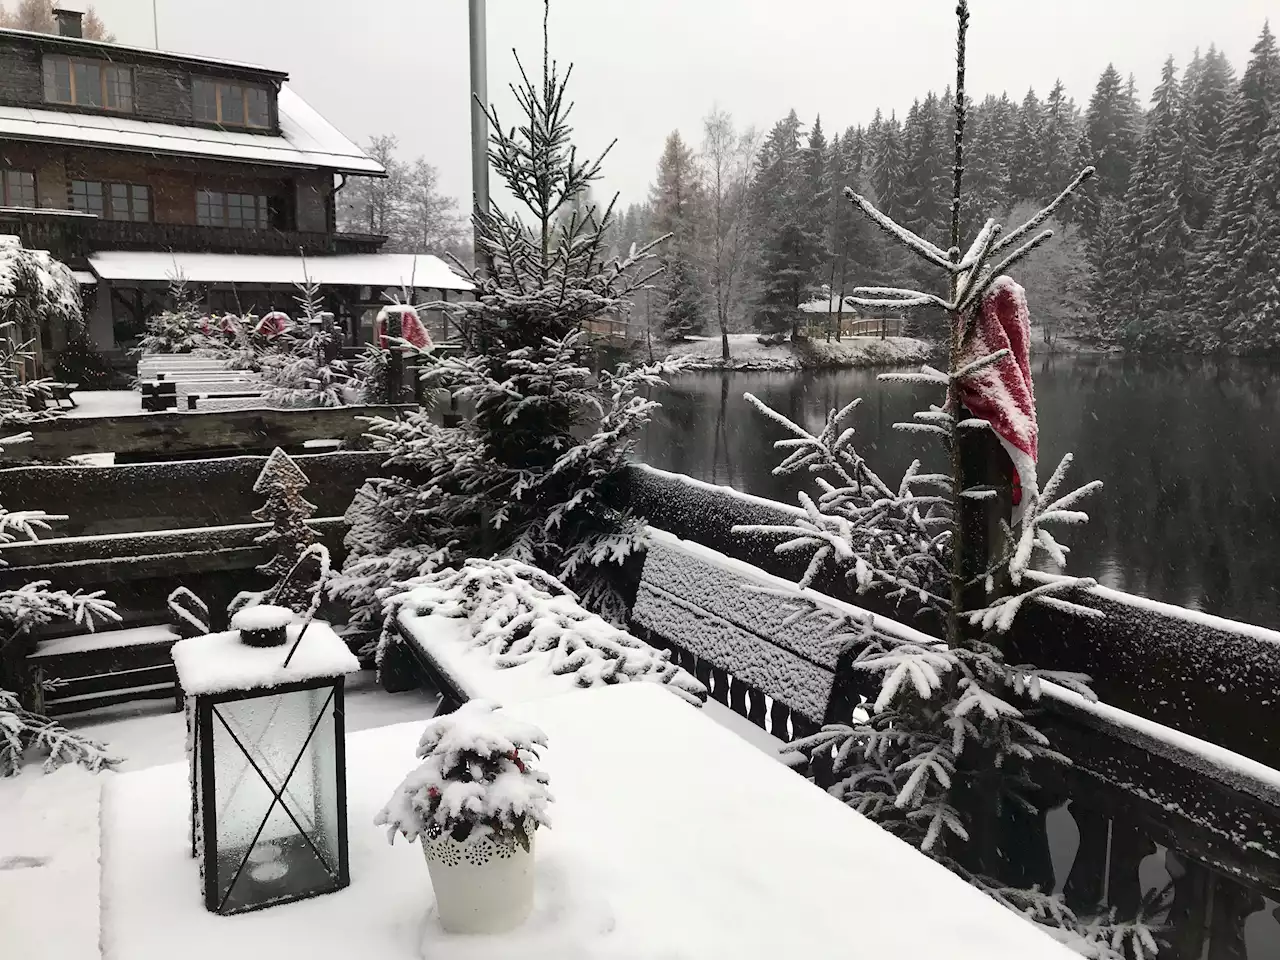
x=303, y=370
x=183, y=328
x=22, y=609
x=515, y=613
x=477, y=775
x=37, y=292
x=527, y=476
x=20, y=400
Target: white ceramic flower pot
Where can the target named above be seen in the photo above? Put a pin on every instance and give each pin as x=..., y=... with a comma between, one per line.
x=482, y=884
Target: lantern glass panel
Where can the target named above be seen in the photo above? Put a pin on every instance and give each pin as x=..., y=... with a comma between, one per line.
x=275, y=796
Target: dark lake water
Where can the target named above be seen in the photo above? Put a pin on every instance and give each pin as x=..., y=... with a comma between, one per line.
x=1188, y=451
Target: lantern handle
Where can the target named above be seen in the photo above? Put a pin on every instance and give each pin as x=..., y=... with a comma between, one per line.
x=320, y=551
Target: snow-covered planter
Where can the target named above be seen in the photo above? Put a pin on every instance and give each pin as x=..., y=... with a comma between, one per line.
x=474, y=802
x=263, y=625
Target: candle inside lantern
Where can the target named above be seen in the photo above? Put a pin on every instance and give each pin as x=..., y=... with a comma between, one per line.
x=267, y=867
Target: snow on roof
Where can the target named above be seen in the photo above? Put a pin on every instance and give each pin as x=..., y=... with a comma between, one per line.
x=104, y=48
x=306, y=139
x=423, y=271
x=828, y=305
x=220, y=662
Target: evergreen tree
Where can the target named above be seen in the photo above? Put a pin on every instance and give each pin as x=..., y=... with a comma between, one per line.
x=1207, y=96
x=988, y=173
x=887, y=166
x=306, y=368
x=1027, y=174
x=675, y=212
x=526, y=476
x=1109, y=141
x=1060, y=142
x=1110, y=272
x=1234, y=251
x=183, y=328
x=1163, y=191
x=790, y=240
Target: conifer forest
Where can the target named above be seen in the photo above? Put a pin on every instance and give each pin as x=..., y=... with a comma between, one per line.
x=1171, y=248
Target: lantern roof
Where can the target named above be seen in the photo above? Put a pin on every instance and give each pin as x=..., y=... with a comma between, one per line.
x=222, y=663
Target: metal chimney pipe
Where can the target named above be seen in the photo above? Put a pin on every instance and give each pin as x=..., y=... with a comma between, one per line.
x=70, y=22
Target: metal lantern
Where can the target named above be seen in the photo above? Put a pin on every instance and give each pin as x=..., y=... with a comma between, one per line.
x=268, y=772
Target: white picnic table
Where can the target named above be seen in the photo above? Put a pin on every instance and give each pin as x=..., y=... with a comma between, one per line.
x=672, y=838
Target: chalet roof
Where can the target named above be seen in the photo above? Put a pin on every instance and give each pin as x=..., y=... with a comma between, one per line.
x=376, y=270
x=122, y=52
x=306, y=139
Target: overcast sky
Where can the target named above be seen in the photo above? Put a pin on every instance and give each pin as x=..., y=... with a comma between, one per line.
x=645, y=67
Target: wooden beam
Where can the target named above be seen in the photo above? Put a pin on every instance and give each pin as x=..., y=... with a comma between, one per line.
x=185, y=433
x=175, y=496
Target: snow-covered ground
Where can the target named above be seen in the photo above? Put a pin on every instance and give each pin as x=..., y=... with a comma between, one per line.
x=748, y=353
x=49, y=825
x=666, y=842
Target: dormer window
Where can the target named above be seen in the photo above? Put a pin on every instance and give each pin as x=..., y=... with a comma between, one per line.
x=88, y=83
x=230, y=104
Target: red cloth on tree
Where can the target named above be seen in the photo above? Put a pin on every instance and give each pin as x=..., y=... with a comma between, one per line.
x=1002, y=393
x=273, y=324
x=411, y=328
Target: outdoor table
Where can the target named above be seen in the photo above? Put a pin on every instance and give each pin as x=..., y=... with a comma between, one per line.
x=671, y=837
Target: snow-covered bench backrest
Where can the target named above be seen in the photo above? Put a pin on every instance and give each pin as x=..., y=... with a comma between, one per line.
x=740, y=619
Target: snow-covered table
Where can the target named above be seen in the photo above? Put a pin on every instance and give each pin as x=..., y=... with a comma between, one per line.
x=672, y=838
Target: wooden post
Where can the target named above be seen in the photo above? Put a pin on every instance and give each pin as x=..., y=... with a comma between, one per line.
x=983, y=463
x=395, y=359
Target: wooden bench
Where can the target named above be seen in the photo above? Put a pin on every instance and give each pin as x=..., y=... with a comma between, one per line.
x=788, y=676
x=193, y=399
x=104, y=668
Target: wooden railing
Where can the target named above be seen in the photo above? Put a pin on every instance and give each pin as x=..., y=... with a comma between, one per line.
x=159, y=436
x=1203, y=675
x=1131, y=787
x=73, y=239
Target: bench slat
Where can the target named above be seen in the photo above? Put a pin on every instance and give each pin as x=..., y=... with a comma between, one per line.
x=95, y=701
x=770, y=669
x=117, y=682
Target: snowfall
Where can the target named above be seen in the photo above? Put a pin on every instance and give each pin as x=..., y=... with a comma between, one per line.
x=746, y=352
x=655, y=851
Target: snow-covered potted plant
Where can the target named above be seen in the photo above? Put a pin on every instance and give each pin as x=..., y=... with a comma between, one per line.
x=474, y=802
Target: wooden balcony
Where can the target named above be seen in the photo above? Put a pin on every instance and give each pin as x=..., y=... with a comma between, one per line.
x=73, y=237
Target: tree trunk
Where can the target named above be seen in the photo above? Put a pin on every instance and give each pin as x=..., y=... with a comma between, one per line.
x=831, y=292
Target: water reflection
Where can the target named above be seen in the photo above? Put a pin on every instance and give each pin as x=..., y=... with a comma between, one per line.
x=1189, y=452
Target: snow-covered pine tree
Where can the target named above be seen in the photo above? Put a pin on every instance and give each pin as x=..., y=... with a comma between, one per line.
x=1160, y=203
x=181, y=328
x=20, y=400
x=1109, y=141
x=282, y=482
x=675, y=198
x=790, y=238
x=526, y=476
x=944, y=750
x=37, y=293
x=22, y=609
x=306, y=369
x=1235, y=255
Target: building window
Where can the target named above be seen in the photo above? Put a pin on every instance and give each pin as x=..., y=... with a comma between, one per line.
x=88, y=83
x=215, y=208
x=112, y=201
x=230, y=104
x=17, y=188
